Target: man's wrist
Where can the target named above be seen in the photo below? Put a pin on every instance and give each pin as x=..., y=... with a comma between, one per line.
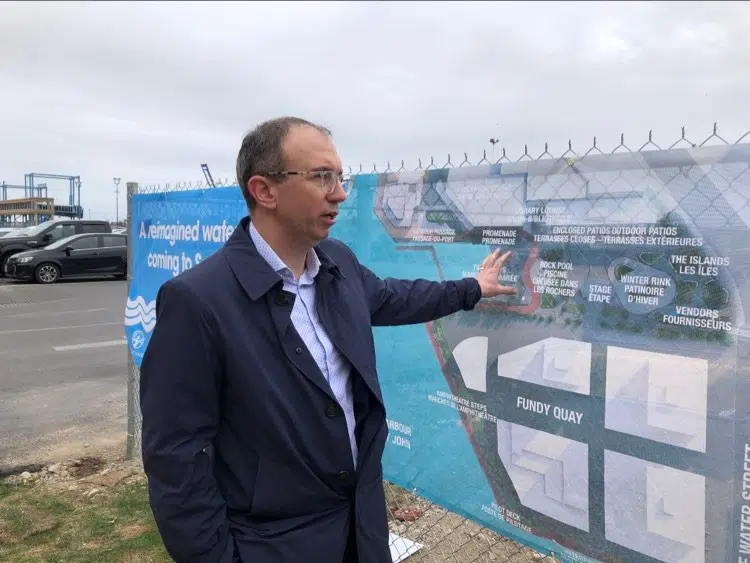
x=473, y=293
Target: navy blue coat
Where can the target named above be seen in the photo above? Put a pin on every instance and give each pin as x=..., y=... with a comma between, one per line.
x=244, y=446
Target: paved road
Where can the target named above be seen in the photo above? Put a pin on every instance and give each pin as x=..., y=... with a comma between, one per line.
x=63, y=371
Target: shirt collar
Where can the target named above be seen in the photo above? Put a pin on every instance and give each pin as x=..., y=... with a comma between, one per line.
x=312, y=262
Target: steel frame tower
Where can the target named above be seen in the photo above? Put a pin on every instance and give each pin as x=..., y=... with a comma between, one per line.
x=74, y=181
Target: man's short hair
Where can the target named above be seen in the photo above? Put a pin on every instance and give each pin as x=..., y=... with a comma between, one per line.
x=260, y=152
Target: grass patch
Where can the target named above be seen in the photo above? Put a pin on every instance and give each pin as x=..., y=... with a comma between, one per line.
x=48, y=523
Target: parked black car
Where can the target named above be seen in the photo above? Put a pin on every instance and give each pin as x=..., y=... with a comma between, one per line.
x=85, y=255
x=46, y=233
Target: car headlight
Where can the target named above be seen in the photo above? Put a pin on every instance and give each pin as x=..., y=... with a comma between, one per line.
x=25, y=259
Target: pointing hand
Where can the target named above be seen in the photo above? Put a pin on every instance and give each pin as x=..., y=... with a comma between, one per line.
x=489, y=273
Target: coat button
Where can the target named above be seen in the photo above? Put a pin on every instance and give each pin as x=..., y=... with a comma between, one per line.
x=344, y=477
x=332, y=410
x=282, y=299
x=298, y=350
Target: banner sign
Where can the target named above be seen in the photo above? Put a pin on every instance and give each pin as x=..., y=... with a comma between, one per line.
x=169, y=233
x=601, y=412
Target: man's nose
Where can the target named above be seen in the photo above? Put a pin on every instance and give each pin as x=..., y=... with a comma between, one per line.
x=338, y=194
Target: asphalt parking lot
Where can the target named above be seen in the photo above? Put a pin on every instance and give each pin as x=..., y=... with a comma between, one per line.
x=63, y=371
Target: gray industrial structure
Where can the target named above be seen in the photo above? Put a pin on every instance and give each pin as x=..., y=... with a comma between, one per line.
x=36, y=206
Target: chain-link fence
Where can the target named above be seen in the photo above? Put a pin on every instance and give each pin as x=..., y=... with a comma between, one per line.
x=694, y=191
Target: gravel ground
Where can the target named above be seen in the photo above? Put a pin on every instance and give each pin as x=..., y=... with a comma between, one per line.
x=449, y=538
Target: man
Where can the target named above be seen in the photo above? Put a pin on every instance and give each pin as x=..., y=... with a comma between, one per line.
x=263, y=419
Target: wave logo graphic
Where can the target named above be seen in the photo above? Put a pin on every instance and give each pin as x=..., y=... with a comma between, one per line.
x=138, y=312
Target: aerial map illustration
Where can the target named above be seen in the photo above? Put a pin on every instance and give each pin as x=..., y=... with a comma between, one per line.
x=602, y=399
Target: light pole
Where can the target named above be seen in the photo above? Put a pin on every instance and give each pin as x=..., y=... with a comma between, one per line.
x=78, y=187
x=117, y=199
x=494, y=141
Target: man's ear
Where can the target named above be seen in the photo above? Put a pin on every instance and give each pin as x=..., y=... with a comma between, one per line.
x=263, y=191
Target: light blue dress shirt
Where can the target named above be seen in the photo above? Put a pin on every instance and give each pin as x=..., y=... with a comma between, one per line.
x=335, y=367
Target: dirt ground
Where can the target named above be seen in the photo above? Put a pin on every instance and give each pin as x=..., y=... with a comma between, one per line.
x=93, y=508
x=82, y=510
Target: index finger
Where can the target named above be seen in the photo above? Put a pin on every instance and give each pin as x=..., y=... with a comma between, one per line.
x=503, y=258
x=490, y=259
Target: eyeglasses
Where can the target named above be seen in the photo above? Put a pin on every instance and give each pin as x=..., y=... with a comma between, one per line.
x=328, y=178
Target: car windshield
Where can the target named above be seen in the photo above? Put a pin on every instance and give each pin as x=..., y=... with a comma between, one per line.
x=63, y=242
x=32, y=231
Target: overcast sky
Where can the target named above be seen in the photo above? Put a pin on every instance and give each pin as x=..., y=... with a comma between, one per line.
x=149, y=91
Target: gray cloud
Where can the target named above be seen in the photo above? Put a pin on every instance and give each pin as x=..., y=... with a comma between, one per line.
x=148, y=91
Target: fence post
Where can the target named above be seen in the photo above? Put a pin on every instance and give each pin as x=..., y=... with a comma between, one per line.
x=131, y=447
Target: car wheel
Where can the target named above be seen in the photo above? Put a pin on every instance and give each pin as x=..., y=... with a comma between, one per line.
x=47, y=273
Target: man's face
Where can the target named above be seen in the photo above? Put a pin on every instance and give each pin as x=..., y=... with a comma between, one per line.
x=303, y=206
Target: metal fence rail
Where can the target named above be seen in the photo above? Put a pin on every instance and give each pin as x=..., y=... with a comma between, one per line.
x=446, y=537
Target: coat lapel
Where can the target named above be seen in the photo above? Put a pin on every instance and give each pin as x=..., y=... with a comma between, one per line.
x=252, y=272
x=338, y=327
x=280, y=306
x=260, y=281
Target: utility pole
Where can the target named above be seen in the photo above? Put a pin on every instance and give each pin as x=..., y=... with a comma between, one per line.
x=117, y=199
